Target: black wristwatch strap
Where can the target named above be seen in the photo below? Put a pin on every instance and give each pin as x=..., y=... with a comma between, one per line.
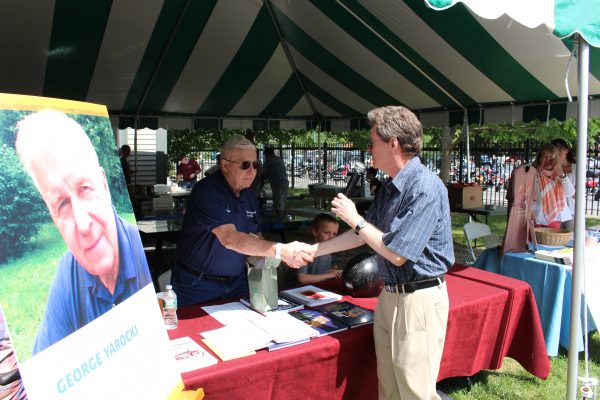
x=361, y=224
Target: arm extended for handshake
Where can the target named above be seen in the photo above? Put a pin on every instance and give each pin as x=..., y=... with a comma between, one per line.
x=294, y=254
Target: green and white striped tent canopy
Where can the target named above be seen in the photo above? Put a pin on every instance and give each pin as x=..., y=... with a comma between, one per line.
x=287, y=59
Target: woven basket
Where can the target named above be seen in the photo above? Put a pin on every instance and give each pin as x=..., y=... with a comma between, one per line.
x=553, y=237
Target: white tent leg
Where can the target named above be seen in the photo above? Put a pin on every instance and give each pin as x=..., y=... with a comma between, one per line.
x=583, y=61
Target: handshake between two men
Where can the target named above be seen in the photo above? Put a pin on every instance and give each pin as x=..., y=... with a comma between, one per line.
x=296, y=254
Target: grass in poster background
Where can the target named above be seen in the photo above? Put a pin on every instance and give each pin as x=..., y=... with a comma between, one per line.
x=24, y=289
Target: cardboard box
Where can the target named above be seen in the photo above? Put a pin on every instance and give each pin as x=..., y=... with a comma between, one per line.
x=465, y=197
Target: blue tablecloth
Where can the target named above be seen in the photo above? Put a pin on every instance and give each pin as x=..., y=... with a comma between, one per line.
x=551, y=284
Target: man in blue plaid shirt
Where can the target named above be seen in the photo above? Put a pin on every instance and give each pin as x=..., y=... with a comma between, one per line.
x=408, y=225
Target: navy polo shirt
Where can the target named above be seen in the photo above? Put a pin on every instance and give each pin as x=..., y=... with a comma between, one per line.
x=213, y=203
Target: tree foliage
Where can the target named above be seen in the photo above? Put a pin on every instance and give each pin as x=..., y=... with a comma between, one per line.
x=22, y=210
x=186, y=141
x=501, y=134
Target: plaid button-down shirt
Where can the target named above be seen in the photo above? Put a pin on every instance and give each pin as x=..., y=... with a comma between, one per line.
x=412, y=211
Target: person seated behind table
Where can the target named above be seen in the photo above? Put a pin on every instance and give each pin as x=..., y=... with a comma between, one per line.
x=552, y=189
x=324, y=227
x=187, y=171
x=216, y=238
x=374, y=183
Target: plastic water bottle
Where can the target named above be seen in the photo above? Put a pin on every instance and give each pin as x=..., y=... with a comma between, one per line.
x=170, y=308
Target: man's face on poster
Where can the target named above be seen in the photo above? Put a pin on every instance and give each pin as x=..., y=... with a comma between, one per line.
x=75, y=190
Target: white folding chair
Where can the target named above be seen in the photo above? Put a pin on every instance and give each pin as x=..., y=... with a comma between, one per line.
x=476, y=230
x=163, y=280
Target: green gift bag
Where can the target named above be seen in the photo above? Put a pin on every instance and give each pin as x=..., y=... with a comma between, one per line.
x=262, y=283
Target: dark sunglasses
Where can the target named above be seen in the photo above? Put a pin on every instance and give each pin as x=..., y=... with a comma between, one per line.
x=246, y=164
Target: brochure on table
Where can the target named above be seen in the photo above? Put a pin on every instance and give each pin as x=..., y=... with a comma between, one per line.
x=61, y=162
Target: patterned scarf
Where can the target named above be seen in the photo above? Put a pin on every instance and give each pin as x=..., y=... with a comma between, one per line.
x=552, y=195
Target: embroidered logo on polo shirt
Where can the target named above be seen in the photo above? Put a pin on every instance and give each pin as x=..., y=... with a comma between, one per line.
x=250, y=214
x=228, y=210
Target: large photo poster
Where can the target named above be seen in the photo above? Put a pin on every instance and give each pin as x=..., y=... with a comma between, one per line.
x=74, y=281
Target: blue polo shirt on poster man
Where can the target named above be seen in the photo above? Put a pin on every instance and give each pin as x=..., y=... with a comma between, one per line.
x=76, y=297
x=201, y=258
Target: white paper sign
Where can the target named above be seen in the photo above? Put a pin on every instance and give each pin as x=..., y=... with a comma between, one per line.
x=123, y=354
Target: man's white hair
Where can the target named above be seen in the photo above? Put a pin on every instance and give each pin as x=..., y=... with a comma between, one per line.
x=236, y=142
x=48, y=129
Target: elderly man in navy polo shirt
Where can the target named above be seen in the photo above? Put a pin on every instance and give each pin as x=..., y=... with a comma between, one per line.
x=408, y=225
x=218, y=231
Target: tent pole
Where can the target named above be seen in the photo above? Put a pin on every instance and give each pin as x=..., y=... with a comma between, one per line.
x=135, y=140
x=467, y=145
x=583, y=61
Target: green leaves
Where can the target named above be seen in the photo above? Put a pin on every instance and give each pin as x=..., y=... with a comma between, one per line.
x=23, y=211
x=506, y=133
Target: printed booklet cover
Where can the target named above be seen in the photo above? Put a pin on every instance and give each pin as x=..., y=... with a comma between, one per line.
x=348, y=313
x=319, y=321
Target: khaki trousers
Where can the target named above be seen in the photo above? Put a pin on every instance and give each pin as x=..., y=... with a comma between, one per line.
x=409, y=331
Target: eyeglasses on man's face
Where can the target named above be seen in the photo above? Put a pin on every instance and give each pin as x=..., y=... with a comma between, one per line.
x=372, y=142
x=245, y=164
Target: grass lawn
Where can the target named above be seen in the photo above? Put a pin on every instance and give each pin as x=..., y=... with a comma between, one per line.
x=24, y=287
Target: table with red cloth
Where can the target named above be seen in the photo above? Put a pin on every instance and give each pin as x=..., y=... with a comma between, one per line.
x=491, y=317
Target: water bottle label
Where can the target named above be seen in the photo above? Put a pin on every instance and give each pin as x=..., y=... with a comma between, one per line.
x=170, y=303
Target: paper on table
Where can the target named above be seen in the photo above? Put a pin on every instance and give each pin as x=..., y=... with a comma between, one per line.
x=189, y=355
x=230, y=313
x=237, y=339
x=284, y=328
x=225, y=354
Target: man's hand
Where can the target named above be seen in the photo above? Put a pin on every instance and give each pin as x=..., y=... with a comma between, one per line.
x=345, y=209
x=297, y=254
x=334, y=273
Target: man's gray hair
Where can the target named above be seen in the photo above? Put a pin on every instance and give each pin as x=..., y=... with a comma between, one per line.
x=45, y=130
x=236, y=142
x=400, y=123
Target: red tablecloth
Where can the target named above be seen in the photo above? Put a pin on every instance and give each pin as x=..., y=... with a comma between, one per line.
x=491, y=317
x=487, y=311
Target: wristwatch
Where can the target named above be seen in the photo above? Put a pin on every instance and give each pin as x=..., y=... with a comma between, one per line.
x=361, y=224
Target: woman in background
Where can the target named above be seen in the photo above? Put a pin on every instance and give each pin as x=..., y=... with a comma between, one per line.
x=566, y=158
x=553, y=187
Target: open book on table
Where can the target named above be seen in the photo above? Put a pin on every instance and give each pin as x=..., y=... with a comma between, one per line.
x=258, y=332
